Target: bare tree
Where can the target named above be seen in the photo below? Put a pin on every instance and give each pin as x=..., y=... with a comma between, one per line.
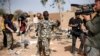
x=59, y=4
x=9, y=5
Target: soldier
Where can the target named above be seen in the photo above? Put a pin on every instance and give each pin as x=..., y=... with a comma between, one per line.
x=44, y=34
x=93, y=25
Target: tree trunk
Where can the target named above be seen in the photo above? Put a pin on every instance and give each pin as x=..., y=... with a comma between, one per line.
x=9, y=2
x=60, y=11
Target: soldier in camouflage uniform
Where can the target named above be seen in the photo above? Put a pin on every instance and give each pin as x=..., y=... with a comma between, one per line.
x=44, y=34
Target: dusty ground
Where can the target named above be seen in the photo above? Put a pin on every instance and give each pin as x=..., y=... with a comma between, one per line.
x=60, y=47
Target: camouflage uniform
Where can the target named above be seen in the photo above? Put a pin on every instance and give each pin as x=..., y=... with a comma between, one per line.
x=44, y=34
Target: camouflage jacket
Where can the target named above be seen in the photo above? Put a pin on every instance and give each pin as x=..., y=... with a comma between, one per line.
x=44, y=28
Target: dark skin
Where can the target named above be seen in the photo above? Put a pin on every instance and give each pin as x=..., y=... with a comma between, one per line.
x=46, y=15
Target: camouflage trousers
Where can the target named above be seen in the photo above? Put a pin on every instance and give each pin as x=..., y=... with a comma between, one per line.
x=43, y=46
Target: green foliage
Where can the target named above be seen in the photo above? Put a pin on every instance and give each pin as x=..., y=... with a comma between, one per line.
x=44, y=2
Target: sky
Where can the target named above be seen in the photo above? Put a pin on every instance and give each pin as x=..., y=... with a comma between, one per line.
x=36, y=6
